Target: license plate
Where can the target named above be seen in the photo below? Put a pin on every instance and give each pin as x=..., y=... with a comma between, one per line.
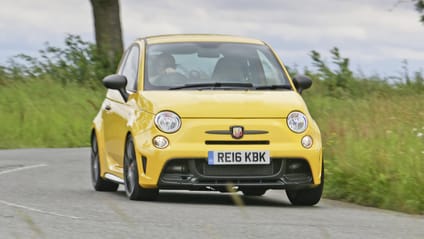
x=238, y=157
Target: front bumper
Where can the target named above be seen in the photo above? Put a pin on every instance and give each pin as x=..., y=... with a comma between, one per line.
x=183, y=164
x=196, y=174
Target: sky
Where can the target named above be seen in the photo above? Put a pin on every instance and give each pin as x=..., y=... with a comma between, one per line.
x=376, y=35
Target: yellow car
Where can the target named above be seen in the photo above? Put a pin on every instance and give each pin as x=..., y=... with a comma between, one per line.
x=205, y=112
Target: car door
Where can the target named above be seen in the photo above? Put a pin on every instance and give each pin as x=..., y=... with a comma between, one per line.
x=116, y=112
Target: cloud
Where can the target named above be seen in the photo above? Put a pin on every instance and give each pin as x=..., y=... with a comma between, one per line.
x=373, y=33
x=26, y=25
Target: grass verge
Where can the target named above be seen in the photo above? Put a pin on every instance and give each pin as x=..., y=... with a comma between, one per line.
x=373, y=150
x=45, y=113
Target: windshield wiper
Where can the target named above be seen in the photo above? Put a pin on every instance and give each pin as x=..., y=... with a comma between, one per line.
x=273, y=87
x=213, y=85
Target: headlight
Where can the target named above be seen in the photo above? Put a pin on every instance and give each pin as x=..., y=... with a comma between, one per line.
x=297, y=122
x=168, y=122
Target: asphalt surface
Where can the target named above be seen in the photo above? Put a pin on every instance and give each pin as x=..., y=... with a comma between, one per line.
x=47, y=193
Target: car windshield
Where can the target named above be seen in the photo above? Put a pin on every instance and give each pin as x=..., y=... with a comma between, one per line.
x=212, y=65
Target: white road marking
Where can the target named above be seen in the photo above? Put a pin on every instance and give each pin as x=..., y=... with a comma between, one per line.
x=30, y=208
x=22, y=168
x=37, y=210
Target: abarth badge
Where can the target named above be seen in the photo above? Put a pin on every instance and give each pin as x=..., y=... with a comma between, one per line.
x=237, y=132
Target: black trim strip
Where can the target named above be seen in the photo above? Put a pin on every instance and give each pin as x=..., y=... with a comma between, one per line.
x=218, y=132
x=144, y=162
x=242, y=142
x=229, y=132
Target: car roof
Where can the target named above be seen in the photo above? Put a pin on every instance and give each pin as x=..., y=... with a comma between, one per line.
x=199, y=38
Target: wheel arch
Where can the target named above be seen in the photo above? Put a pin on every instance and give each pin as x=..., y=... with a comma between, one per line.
x=140, y=164
x=100, y=148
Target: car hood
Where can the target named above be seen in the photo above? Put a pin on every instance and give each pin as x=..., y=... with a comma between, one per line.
x=223, y=104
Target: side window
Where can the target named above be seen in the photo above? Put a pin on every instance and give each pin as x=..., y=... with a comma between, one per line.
x=130, y=69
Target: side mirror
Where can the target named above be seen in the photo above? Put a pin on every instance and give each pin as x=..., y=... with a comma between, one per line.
x=117, y=82
x=302, y=82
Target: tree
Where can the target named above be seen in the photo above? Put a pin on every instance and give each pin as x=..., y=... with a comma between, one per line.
x=419, y=5
x=107, y=25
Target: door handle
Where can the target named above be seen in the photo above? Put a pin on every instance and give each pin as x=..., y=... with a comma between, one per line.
x=107, y=107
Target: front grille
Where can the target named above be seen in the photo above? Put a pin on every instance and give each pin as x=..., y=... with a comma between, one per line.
x=237, y=142
x=241, y=170
x=202, y=167
x=196, y=174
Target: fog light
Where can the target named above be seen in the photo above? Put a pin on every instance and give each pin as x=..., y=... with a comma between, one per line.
x=160, y=142
x=307, y=141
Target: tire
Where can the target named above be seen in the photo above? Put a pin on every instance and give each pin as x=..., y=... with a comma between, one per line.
x=307, y=197
x=98, y=182
x=253, y=191
x=132, y=188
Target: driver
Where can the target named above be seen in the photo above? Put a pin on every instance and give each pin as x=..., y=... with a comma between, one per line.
x=165, y=64
x=164, y=70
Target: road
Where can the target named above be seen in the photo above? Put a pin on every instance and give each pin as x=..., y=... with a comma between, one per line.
x=46, y=193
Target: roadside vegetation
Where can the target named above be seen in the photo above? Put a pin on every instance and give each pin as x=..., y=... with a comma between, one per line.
x=373, y=134
x=372, y=128
x=50, y=100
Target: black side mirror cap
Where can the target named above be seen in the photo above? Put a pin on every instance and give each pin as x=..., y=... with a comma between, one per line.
x=117, y=82
x=302, y=83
